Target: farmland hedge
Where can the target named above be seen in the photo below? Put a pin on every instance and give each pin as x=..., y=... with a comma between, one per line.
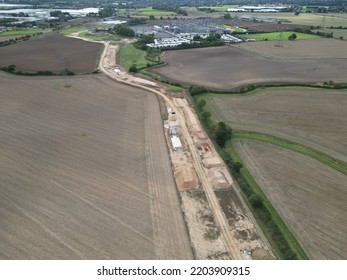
x=12, y=69
x=17, y=39
x=261, y=212
x=255, y=201
x=194, y=45
x=196, y=89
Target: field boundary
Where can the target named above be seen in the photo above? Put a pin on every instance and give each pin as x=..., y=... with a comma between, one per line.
x=278, y=229
x=277, y=219
x=290, y=145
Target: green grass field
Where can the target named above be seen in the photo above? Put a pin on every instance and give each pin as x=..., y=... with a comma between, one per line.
x=129, y=55
x=153, y=12
x=100, y=37
x=23, y=31
x=234, y=28
x=274, y=36
x=70, y=30
x=175, y=89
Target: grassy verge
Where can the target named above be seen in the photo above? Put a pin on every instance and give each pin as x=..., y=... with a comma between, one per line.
x=325, y=159
x=175, y=89
x=274, y=36
x=69, y=31
x=101, y=37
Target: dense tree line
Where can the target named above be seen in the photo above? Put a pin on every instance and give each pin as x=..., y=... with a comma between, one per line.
x=62, y=16
x=107, y=11
x=123, y=30
x=143, y=40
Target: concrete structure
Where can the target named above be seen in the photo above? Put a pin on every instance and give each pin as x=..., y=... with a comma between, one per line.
x=176, y=142
x=230, y=39
x=168, y=42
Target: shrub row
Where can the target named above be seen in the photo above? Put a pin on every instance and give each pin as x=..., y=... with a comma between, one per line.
x=12, y=69
x=194, y=45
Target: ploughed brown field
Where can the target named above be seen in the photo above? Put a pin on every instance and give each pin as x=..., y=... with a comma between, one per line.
x=310, y=196
x=85, y=172
x=230, y=67
x=52, y=53
x=265, y=26
x=317, y=49
x=312, y=117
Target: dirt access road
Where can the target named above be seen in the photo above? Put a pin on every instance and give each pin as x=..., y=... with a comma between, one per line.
x=107, y=67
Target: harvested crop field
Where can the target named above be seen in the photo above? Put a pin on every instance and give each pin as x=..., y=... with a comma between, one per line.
x=52, y=53
x=85, y=172
x=319, y=48
x=310, y=197
x=264, y=26
x=316, y=118
x=229, y=67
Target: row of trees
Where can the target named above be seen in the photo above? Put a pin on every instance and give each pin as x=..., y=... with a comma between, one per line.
x=12, y=69
x=16, y=40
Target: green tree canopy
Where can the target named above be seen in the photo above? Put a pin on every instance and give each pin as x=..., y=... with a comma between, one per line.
x=124, y=30
x=201, y=103
x=292, y=37
x=222, y=134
